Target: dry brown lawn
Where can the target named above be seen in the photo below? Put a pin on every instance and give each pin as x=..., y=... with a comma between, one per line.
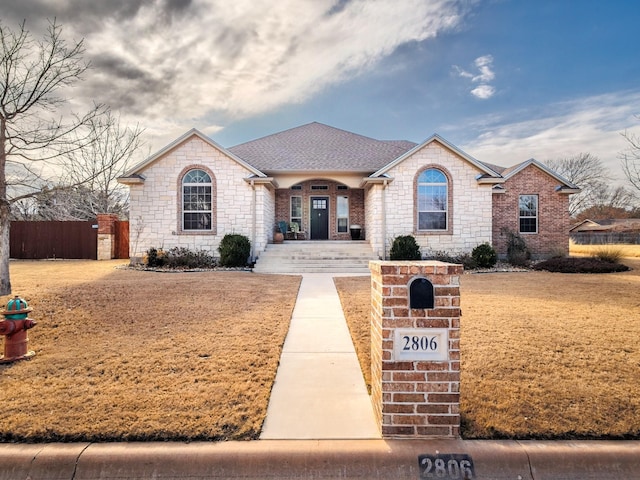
x=544, y=355
x=131, y=355
x=625, y=250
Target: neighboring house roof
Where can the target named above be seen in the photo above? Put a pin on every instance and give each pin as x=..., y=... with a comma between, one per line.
x=321, y=148
x=134, y=175
x=608, y=225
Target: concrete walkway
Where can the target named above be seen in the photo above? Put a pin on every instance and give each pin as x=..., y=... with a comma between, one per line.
x=319, y=391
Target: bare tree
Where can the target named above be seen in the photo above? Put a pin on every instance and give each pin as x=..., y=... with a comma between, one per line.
x=36, y=136
x=587, y=172
x=631, y=159
x=89, y=185
x=610, y=202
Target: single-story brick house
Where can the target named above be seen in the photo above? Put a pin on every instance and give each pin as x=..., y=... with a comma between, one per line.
x=325, y=180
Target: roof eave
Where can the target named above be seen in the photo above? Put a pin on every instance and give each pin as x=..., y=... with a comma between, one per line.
x=567, y=191
x=484, y=180
x=371, y=180
x=269, y=182
x=131, y=180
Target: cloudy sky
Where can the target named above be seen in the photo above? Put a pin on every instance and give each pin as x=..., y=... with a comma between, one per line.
x=505, y=80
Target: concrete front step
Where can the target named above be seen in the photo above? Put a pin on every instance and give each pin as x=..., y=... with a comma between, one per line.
x=316, y=256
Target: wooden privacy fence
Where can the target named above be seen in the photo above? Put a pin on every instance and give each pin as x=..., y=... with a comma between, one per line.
x=71, y=240
x=606, y=238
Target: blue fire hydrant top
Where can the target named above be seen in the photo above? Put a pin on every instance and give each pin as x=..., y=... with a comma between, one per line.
x=17, y=309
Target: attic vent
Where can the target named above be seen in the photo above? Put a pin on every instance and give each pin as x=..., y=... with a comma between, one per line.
x=296, y=187
x=319, y=187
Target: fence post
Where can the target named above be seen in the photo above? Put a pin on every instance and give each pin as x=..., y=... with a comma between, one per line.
x=106, y=235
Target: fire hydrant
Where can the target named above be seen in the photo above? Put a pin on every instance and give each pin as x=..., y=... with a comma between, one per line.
x=14, y=327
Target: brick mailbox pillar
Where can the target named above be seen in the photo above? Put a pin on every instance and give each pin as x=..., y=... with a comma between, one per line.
x=415, y=348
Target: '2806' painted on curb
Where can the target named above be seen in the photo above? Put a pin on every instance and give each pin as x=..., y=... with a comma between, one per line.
x=446, y=466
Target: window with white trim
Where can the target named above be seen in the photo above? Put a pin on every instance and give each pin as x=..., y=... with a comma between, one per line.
x=196, y=201
x=296, y=211
x=342, y=214
x=433, y=200
x=528, y=213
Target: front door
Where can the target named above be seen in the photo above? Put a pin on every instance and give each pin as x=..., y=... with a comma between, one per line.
x=319, y=218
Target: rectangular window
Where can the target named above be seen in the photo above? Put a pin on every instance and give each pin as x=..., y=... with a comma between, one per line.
x=319, y=187
x=432, y=207
x=343, y=214
x=528, y=206
x=197, y=207
x=296, y=211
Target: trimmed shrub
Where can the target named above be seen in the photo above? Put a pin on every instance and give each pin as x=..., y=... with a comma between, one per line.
x=484, y=256
x=180, y=257
x=517, y=251
x=465, y=259
x=155, y=257
x=405, y=247
x=580, y=265
x=234, y=250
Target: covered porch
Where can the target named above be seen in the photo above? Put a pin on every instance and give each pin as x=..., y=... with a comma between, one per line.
x=320, y=209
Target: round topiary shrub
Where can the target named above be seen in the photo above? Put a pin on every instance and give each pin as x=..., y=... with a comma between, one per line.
x=405, y=247
x=234, y=250
x=484, y=256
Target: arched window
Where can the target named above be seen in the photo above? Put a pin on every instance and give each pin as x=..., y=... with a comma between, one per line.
x=196, y=201
x=433, y=200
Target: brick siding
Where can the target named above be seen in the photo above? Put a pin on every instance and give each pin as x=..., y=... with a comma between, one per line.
x=415, y=398
x=553, y=214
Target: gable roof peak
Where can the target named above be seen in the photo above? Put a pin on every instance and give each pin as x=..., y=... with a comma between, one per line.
x=193, y=132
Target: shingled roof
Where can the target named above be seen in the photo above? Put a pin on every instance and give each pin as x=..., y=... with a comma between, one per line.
x=319, y=147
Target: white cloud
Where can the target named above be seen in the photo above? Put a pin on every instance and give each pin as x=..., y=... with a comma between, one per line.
x=241, y=58
x=484, y=64
x=591, y=125
x=483, y=91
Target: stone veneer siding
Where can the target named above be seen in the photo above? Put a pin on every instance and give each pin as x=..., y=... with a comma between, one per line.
x=415, y=398
x=356, y=206
x=470, y=204
x=155, y=204
x=553, y=214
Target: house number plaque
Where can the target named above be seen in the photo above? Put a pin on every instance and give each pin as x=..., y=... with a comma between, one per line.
x=431, y=344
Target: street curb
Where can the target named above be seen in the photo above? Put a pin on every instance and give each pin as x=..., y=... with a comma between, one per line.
x=320, y=459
